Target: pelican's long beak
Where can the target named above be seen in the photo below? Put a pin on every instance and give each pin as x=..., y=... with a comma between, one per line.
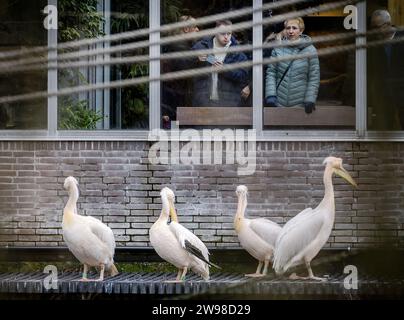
x=173, y=213
x=346, y=176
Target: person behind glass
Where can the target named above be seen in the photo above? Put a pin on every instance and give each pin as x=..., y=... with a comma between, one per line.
x=224, y=89
x=385, y=75
x=178, y=92
x=294, y=82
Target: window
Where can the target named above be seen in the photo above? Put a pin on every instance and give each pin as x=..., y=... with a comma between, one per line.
x=121, y=108
x=78, y=21
x=316, y=92
x=212, y=99
x=21, y=26
x=360, y=93
x=130, y=105
x=385, y=86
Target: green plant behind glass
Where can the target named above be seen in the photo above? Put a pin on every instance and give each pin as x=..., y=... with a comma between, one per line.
x=78, y=116
x=77, y=20
x=132, y=15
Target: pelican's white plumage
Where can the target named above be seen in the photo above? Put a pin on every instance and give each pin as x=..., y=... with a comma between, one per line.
x=257, y=236
x=90, y=241
x=176, y=244
x=304, y=235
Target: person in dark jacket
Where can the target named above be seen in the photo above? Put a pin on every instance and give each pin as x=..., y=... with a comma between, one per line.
x=177, y=93
x=223, y=89
x=385, y=76
x=294, y=82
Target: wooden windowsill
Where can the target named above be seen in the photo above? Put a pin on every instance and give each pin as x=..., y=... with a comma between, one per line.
x=323, y=116
x=214, y=116
x=335, y=116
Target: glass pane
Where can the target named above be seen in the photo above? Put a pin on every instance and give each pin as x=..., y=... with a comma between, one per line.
x=385, y=72
x=78, y=20
x=316, y=92
x=130, y=105
x=216, y=99
x=21, y=26
x=121, y=108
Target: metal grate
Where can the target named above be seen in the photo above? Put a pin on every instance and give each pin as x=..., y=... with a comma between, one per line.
x=220, y=283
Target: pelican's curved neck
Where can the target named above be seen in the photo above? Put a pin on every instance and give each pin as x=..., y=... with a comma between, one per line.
x=71, y=205
x=165, y=211
x=73, y=197
x=329, y=189
x=241, y=206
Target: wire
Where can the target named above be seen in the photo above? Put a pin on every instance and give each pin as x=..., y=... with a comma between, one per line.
x=174, y=55
x=147, y=31
x=190, y=73
x=171, y=39
x=5, y=68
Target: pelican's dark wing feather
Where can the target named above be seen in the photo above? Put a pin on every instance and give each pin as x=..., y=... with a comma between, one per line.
x=198, y=253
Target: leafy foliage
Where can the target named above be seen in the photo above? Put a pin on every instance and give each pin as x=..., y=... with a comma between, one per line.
x=132, y=15
x=77, y=116
x=136, y=99
x=172, y=10
x=79, y=19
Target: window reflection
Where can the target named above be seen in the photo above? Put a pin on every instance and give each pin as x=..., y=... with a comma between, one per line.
x=310, y=92
x=21, y=26
x=122, y=108
x=214, y=99
x=78, y=21
x=130, y=105
x=385, y=84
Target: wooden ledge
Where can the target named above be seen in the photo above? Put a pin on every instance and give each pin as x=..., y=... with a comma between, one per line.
x=214, y=116
x=334, y=116
x=322, y=116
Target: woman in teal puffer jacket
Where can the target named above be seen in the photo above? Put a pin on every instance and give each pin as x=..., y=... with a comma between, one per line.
x=300, y=83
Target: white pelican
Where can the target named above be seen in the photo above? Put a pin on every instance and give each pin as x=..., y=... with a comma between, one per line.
x=90, y=241
x=256, y=236
x=176, y=244
x=304, y=235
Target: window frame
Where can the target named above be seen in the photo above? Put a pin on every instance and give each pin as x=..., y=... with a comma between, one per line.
x=361, y=133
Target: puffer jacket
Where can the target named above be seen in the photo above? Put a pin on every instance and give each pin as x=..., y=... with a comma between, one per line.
x=230, y=83
x=301, y=82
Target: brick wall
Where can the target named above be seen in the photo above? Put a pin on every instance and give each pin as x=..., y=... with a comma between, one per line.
x=119, y=186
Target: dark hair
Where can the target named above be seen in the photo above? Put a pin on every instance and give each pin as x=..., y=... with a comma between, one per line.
x=223, y=23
